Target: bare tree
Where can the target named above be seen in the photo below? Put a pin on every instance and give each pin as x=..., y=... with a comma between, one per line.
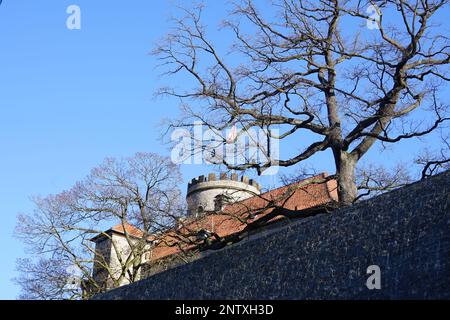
x=373, y=180
x=327, y=70
x=141, y=191
x=433, y=162
x=45, y=279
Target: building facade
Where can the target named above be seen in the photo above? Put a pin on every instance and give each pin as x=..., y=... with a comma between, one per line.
x=220, y=208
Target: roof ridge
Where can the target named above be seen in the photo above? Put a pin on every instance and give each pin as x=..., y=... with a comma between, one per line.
x=323, y=174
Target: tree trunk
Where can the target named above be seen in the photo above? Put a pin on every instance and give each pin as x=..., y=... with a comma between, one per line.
x=345, y=169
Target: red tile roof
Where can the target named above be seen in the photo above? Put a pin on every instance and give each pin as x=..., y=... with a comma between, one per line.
x=119, y=229
x=304, y=194
x=308, y=193
x=130, y=229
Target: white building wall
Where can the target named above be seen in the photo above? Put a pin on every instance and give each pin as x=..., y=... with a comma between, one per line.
x=202, y=194
x=122, y=249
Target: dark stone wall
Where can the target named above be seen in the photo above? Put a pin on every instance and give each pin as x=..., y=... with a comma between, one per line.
x=406, y=232
x=167, y=263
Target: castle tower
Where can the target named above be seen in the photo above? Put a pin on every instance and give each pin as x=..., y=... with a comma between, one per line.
x=212, y=193
x=111, y=247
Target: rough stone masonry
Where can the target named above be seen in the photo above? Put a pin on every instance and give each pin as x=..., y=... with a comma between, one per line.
x=405, y=232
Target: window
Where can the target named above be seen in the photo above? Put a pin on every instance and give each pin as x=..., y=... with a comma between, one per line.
x=220, y=201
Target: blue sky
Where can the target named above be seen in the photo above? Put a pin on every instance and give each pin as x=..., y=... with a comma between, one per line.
x=70, y=98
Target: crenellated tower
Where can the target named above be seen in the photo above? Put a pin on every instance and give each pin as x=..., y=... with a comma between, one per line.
x=211, y=193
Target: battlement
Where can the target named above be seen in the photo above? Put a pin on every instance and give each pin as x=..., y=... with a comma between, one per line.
x=203, y=191
x=223, y=177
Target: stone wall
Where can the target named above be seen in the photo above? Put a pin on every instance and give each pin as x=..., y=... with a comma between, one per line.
x=169, y=262
x=405, y=232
